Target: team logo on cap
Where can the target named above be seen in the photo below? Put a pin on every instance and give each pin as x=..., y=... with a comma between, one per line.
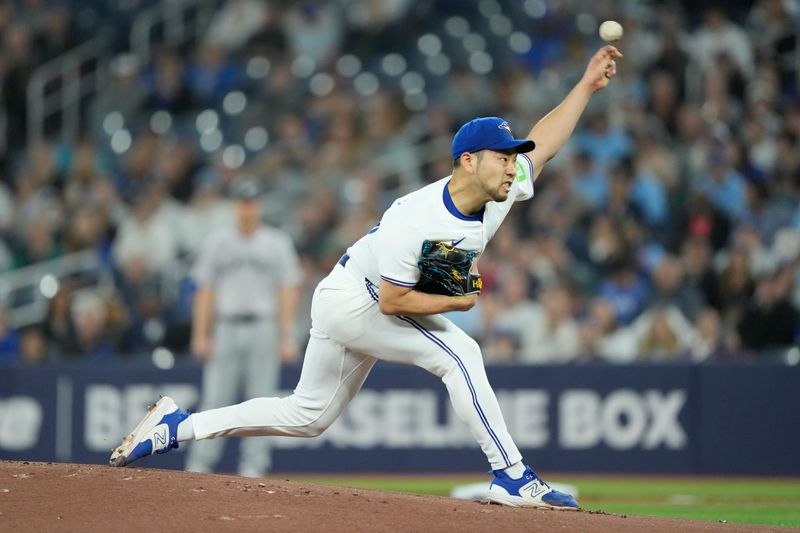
x=505, y=126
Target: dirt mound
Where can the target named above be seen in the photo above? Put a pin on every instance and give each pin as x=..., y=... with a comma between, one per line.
x=88, y=498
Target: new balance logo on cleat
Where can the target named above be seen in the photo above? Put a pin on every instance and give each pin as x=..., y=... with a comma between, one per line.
x=537, y=489
x=160, y=439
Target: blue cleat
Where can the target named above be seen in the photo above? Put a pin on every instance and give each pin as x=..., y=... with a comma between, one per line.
x=157, y=432
x=528, y=491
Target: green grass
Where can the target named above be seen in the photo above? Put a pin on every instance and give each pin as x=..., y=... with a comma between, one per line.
x=774, y=502
x=749, y=501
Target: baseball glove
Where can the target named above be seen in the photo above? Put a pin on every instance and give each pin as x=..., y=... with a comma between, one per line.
x=445, y=269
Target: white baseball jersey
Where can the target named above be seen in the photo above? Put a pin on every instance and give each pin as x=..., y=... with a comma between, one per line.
x=391, y=250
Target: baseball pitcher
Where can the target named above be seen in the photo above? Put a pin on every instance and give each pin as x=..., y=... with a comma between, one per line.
x=385, y=298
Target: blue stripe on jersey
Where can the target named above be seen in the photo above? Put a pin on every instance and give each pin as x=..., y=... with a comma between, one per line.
x=398, y=282
x=371, y=289
x=448, y=203
x=530, y=162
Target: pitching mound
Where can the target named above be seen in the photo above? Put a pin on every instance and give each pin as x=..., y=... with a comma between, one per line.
x=88, y=498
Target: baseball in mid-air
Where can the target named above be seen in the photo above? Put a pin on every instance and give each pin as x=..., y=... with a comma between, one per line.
x=611, y=31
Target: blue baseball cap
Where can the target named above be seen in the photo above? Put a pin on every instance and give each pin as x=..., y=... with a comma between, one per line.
x=488, y=133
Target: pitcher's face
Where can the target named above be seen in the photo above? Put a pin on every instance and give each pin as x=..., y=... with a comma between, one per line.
x=496, y=172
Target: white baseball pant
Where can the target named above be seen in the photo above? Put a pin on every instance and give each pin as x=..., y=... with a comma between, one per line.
x=348, y=334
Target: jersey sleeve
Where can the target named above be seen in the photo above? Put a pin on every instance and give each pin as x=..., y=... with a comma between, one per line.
x=290, y=268
x=524, y=180
x=397, y=246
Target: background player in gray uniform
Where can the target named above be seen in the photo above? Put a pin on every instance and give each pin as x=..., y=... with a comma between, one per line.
x=243, y=320
x=372, y=306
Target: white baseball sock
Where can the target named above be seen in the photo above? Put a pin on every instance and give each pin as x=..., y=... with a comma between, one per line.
x=186, y=429
x=515, y=471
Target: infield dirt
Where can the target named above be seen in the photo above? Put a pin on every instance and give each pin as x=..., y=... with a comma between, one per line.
x=96, y=498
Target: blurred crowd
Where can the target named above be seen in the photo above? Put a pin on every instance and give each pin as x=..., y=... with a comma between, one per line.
x=667, y=230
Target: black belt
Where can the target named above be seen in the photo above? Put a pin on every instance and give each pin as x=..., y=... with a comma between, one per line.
x=344, y=259
x=246, y=318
